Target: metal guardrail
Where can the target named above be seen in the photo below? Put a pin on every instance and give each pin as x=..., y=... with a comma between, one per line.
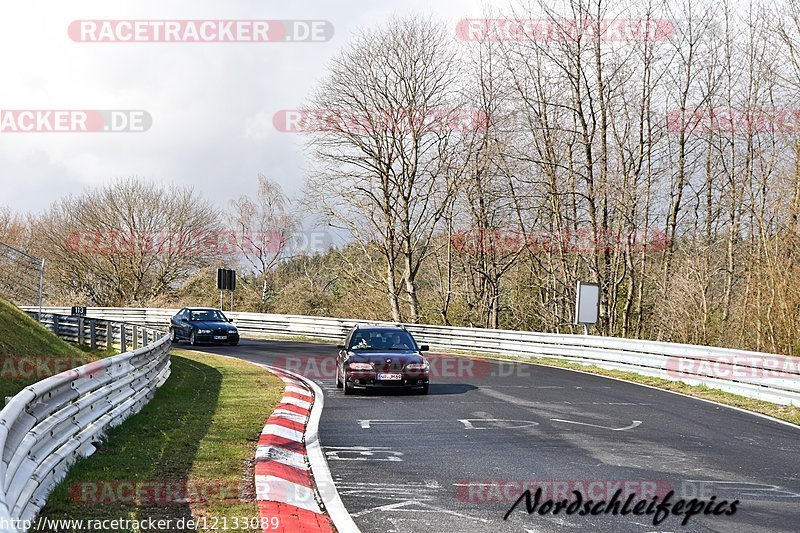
x=769, y=377
x=51, y=423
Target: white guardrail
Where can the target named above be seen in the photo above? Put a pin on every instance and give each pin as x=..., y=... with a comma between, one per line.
x=51, y=423
x=770, y=377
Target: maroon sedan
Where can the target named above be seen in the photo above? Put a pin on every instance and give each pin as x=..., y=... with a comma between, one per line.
x=381, y=357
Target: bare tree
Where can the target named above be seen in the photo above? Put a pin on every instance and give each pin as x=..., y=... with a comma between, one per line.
x=14, y=228
x=263, y=227
x=384, y=170
x=127, y=242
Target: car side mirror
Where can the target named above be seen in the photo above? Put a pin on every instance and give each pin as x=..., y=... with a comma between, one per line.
x=230, y=320
x=424, y=348
x=340, y=346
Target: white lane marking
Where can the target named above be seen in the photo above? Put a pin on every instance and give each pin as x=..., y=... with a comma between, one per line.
x=560, y=521
x=712, y=402
x=281, y=455
x=704, y=488
x=636, y=423
x=294, y=401
x=362, y=453
x=367, y=424
x=428, y=484
x=468, y=423
x=526, y=403
x=426, y=508
x=281, y=431
x=278, y=489
x=424, y=491
x=523, y=387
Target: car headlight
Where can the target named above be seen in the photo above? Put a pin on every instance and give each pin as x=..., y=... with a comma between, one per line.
x=418, y=367
x=204, y=331
x=234, y=330
x=361, y=366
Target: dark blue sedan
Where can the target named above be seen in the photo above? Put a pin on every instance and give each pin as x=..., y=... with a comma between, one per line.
x=203, y=325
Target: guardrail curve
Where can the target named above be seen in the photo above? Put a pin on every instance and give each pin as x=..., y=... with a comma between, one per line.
x=49, y=424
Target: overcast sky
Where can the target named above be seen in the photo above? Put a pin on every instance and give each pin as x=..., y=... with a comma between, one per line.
x=212, y=103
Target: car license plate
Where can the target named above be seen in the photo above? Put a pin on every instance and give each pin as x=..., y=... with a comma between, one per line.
x=220, y=337
x=390, y=377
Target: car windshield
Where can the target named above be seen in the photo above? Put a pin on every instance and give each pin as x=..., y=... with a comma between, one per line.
x=207, y=315
x=382, y=340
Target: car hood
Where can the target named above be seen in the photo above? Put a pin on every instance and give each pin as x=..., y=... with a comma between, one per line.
x=376, y=356
x=213, y=325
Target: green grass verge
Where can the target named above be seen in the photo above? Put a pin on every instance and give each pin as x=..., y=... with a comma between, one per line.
x=198, y=434
x=24, y=347
x=787, y=413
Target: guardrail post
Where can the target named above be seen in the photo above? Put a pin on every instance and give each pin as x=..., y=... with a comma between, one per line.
x=55, y=325
x=122, y=338
x=80, y=331
x=92, y=335
x=144, y=337
x=109, y=335
x=135, y=337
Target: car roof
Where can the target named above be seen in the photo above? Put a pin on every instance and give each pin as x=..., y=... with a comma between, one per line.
x=202, y=309
x=381, y=328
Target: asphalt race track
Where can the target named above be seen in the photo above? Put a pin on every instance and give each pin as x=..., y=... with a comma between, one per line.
x=457, y=459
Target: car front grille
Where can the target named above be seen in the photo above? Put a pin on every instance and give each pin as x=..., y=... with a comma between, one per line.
x=388, y=367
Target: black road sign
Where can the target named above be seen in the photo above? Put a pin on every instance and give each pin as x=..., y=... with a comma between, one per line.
x=226, y=279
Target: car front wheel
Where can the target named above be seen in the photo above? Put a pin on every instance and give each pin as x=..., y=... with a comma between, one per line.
x=192, y=339
x=338, y=381
x=348, y=390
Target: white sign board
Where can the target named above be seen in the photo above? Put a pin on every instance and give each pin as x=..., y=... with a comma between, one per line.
x=587, y=303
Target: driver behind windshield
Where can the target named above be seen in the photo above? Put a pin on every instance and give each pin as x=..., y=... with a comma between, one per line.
x=398, y=343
